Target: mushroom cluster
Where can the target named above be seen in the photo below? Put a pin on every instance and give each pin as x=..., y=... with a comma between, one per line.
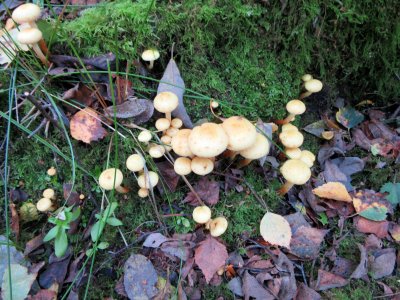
x=217, y=226
x=46, y=203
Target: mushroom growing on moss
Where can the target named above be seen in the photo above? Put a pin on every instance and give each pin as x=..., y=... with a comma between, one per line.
x=31, y=37
x=294, y=107
x=150, y=55
x=162, y=124
x=293, y=153
x=241, y=133
x=112, y=178
x=166, y=102
x=144, y=136
x=51, y=171
x=148, y=180
x=44, y=205
x=217, y=226
x=135, y=163
x=201, y=214
x=307, y=157
x=143, y=192
x=208, y=140
x=156, y=151
x=291, y=138
x=259, y=149
x=296, y=172
x=311, y=86
x=49, y=194
x=26, y=13
x=180, y=143
x=182, y=166
x=176, y=123
x=202, y=166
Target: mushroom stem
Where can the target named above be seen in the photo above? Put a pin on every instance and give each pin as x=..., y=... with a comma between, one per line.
x=121, y=189
x=43, y=47
x=151, y=64
x=244, y=162
x=168, y=116
x=285, y=188
x=286, y=120
x=305, y=95
x=40, y=54
x=230, y=154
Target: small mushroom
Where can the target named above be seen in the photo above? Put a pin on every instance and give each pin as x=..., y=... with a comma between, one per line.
x=143, y=192
x=31, y=37
x=144, y=136
x=311, y=86
x=49, y=194
x=208, y=140
x=202, y=166
x=135, y=163
x=293, y=153
x=163, y=124
x=296, y=172
x=176, y=123
x=112, y=178
x=201, y=214
x=166, y=139
x=306, y=77
x=26, y=13
x=51, y=171
x=289, y=126
x=81, y=196
x=259, y=149
x=328, y=135
x=217, y=226
x=172, y=131
x=291, y=138
x=307, y=157
x=150, y=55
x=182, y=166
x=214, y=104
x=294, y=107
x=166, y=102
x=148, y=180
x=180, y=143
x=241, y=133
x=45, y=205
x=156, y=151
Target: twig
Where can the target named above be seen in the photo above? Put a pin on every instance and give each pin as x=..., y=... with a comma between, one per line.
x=44, y=121
x=386, y=296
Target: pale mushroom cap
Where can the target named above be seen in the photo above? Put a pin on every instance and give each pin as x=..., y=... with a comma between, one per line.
x=51, y=171
x=44, y=204
x=166, y=139
x=182, y=166
x=295, y=107
x=259, y=149
x=144, y=136
x=307, y=157
x=143, y=193
x=214, y=104
x=306, y=77
x=241, y=133
x=135, y=163
x=202, y=166
x=176, y=123
x=150, y=55
x=293, y=153
x=291, y=138
x=29, y=36
x=289, y=126
x=172, y=131
x=48, y=193
x=295, y=171
x=156, y=151
x=26, y=13
x=180, y=143
x=208, y=140
x=218, y=226
x=313, y=85
x=166, y=102
x=202, y=214
x=148, y=181
x=106, y=179
x=162, y=124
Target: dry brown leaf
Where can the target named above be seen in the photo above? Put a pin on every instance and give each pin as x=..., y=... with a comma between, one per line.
x=86, y=127
x=327, y=280
x=210, y=256
x=379, y=228
x=14, y=220
x=333, y=190
x=275, y=230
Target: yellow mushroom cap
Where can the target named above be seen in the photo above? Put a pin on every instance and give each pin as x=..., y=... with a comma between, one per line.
x=201, y=214
x=162, y=124
x=214, y=104
x=150, y=55
x=166, y=139
x=156, y=151
x=107, y=177
x=135, y=163
x=289, y=126
x=313, y=85
x=291, y=138
x=29, y=36
x=259, y=149
x=295, y=171
x=180, y=143
x=26, y=13
x=307, y=157
x=144, y=136
x=295, y=107
x=172, y=131
x=202, y=166
x=48, y=193
x=218, y=226
x=241, y=133
x=148, y=181
x=208, y=140
x=166, y=102
x=44, y=205
x=51, y=171
x=293, y=153
x=182, y=166
x=143, y=193
x=306, y=77
x=176, y=123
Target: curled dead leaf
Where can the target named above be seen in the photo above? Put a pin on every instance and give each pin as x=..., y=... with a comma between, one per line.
x=275, y=230
x=86, y=126
x=333, y=190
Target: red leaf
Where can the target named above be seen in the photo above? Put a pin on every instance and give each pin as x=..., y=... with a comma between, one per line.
x=210, y=256
x=327, y=280
x=380, y=229
x=33, y=244
x=207, y=190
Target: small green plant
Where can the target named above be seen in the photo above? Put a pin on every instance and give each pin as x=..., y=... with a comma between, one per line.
x=100, y=246
x=62, y=223
x=104, y=219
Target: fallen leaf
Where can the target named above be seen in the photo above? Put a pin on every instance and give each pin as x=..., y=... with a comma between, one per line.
x=394, y=192
x=71, y=197
x=33, y=244
x=21, y=282
x=74, y=273
x=372, y=242
x=316, y=128
x=207, y=190
x=387, y=291
x=172, y=81
x=394, y=231
x=306, y=242
x=371, y=205
x=80, y=93
x=341, y=169
x=235, y=286
x=275, y=230
x=306, y=293
x=14, y=220
x=123, y=89
x=327, y=280
x=288, y=280
x=333, y=190
x=167, y=172
x=382, y=262
x=140, y=278
x=18, y=195
x=154, y=240
x=101, y=62
x=252, y=288
x=349, y=117
x=85, y=126
x=379, y=228
x=361, y=269
x=138, y=109
x=44, y=295
x=179, y=249
x=343, y=267
x=210, y=256
x=16, y=257
x=56, y=271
